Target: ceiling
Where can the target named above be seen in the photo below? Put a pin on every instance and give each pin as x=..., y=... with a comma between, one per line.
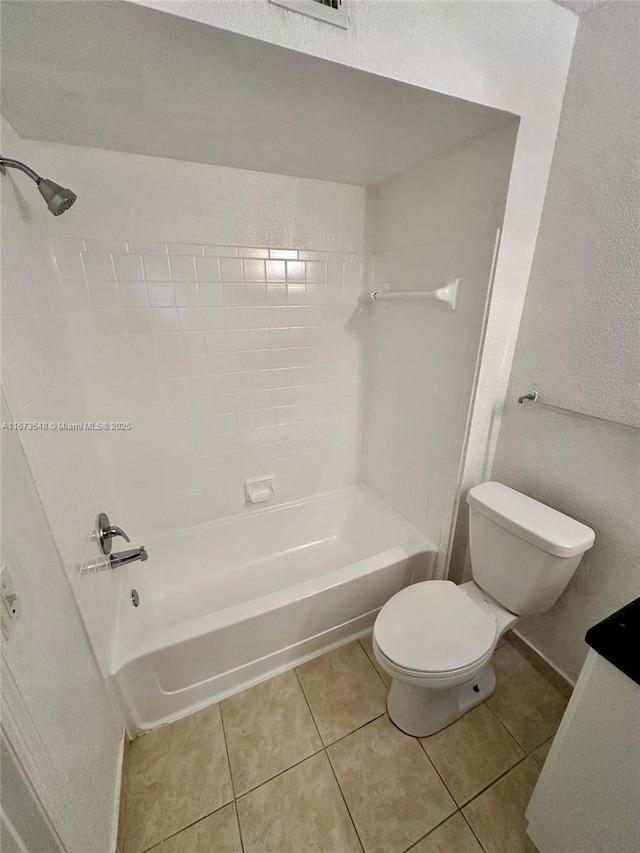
x=580, y=7
x=123, y=77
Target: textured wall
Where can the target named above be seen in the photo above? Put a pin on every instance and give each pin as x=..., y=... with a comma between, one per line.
x=42, y=382
x=578, y=344
x=134, y=197
x=49, y=660
x=433, y=224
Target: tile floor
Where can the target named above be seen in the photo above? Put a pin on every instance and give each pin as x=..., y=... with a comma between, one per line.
x=309, y=762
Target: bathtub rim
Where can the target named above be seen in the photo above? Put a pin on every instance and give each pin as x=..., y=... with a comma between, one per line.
x=181, y=632
x=258, y=511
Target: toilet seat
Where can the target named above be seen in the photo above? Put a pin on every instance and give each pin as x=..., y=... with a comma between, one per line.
x=433, y=631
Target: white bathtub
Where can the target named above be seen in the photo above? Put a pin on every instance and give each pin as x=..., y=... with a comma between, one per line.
x=231, y=603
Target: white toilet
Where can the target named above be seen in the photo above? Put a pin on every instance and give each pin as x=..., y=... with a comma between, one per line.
x=436, y=639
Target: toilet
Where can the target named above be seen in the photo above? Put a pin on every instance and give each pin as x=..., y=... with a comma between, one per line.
x=436, y=639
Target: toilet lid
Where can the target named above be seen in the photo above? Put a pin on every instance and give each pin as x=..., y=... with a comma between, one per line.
x=434, y=627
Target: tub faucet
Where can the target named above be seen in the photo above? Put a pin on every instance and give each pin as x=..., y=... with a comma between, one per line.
x=123, y=557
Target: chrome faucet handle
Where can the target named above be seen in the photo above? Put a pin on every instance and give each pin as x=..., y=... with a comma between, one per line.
x=105, y=531
x=115, y=531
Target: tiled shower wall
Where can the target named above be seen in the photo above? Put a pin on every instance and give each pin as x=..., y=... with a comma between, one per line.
x=228, y=362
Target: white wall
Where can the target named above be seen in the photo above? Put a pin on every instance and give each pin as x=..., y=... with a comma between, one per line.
x=58, y=701
x=42, y=383
x=510, y=55
x=578, y=343
x=210, y=313
x=135, y=197
x=433, y=224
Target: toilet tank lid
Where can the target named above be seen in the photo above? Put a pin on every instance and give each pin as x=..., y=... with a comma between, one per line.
x=535, y=522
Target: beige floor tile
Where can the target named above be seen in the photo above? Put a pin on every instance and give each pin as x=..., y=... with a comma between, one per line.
x=269, y=728
x=472, y=752
x=525, y=701
x=393, y=793
x=219, y=832
x=343, y=691
x=540, y=754
x=497, y=815
x=453, y=836
x=367, y=645
x=176, y=775
x=300, y=811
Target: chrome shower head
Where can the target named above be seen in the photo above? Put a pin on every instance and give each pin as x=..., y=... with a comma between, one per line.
x=58, y=198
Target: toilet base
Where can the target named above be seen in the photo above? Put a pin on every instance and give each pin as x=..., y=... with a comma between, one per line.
x=421, y=711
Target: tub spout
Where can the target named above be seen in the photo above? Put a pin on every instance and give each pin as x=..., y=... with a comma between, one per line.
x=124, y=557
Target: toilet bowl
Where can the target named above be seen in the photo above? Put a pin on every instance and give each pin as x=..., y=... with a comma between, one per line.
x=436, y=639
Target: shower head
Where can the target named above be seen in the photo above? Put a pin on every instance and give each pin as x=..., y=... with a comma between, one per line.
x=58, y=198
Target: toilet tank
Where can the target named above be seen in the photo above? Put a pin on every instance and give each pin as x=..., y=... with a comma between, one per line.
x=523, y=552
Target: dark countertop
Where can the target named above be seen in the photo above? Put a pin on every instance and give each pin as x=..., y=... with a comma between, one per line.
x=617, y=639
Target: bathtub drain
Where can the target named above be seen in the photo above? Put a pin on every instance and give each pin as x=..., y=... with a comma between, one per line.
x=135, y=598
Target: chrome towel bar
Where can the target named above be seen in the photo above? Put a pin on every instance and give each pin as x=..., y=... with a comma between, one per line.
x=534, y=397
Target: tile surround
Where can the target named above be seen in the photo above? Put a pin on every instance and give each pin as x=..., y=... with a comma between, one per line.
x=374, y=789
x=230, y=362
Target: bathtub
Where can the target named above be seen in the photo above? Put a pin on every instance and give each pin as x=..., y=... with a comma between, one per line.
x=231, y=603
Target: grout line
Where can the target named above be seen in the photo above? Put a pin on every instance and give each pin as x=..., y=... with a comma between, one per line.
x=279, y=773
x=233, y=786
x=344, y=800
x=226, y=750
x=497, y=779
x=433, y=829
x=237, y=811
x=306, y=701
x=493, y=782
x=353, y=731
x=158, y=844
x=510, y=733
x=324, y=749
x=237, y=797
x=473, y=832
x=437, y=771
x=372, y=664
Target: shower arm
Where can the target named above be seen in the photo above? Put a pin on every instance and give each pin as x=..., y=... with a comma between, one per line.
x=16, y=164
